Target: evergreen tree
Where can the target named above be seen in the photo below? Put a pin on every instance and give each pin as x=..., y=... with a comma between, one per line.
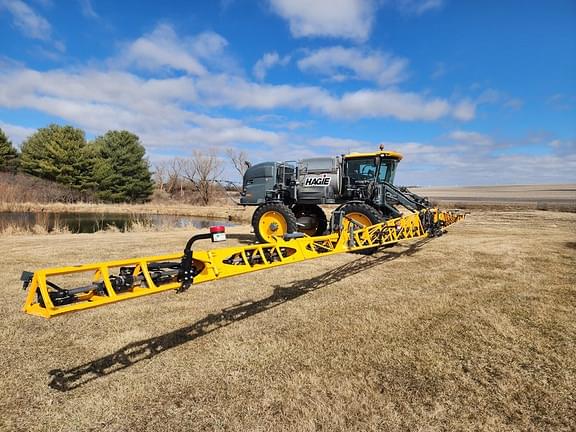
x=59, y=153
x=8, y=154
x=121, y=171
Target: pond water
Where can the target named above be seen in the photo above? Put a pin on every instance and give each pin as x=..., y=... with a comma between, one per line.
x=92, y=222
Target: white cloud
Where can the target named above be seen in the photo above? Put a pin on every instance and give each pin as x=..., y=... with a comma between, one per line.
x=349, y=19
x=34, y=89
x=386, y=103
x=267, y=61
x=97, y=101
x=563, y=147
x=27, y=20
x=355, y=63
x=224, y=90
x=163, y=49
x=16, y=133
x=464, y=110
x=426, y=164
x=471, y=138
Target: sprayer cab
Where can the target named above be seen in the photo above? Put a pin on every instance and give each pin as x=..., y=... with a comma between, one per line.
x=363, y=168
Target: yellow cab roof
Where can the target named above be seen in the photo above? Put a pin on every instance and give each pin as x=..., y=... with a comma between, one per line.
x=381, y=153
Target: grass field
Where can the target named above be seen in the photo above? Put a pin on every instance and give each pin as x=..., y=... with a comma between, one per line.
x=475, y=330
x=560, y=197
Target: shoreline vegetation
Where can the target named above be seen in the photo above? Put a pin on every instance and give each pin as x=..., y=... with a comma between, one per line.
x=497, y=198
x=233, y=213
x=237, y=214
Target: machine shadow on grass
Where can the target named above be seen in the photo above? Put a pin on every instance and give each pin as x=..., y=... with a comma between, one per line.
x=129, y=355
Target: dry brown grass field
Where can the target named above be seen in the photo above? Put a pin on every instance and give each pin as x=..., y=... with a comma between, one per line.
x=560, y=197
x=474, y=330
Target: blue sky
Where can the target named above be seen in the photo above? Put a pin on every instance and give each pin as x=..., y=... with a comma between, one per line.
x=471, y=92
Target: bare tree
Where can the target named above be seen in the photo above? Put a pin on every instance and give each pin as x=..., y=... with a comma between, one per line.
x=160, y=174
x=239, y=160
x=202, y=170
x=175, y=174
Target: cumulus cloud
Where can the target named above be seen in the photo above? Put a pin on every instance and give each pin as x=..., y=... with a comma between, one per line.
x=153, y=108
x=163, y=49
x=387, y=103
x=225, y=90
x=66, y=93
x=342, y=63
x=266, y=62
x=348, y=19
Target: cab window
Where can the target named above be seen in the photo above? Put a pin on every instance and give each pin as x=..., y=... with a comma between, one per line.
x=361, y=169
x=387, y=170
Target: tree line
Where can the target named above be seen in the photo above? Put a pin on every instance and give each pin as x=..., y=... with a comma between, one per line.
x=111, y=168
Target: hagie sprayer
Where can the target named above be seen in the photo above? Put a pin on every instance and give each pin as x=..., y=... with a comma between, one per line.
x=289, y=224
x=288, y=195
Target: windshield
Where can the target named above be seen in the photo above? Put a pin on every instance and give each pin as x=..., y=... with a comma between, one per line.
x=387, y=170
x=367, y=169
x=361, y=168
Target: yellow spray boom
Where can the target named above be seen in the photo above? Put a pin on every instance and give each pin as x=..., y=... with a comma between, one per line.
x=114, y=281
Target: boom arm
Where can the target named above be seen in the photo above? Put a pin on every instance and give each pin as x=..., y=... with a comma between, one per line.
x=403, y=197
x=114, y=281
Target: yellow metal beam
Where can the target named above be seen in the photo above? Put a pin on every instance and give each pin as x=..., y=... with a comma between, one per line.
x=155, y=274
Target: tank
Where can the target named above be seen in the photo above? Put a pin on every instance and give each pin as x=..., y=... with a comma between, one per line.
x=318, y=180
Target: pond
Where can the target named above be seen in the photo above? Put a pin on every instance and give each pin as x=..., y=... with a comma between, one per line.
x=92, y=222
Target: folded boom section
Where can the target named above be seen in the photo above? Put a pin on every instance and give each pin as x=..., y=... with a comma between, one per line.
x=114, y=281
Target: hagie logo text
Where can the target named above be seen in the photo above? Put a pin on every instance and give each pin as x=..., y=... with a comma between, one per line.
x=317, y=181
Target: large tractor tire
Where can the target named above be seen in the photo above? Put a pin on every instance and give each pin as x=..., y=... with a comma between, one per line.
x=365, y=215
x=273, y=220
x=311, y=219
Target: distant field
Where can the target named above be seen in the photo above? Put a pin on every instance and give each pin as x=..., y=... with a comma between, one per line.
x=471, y=331
x=540, y=197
